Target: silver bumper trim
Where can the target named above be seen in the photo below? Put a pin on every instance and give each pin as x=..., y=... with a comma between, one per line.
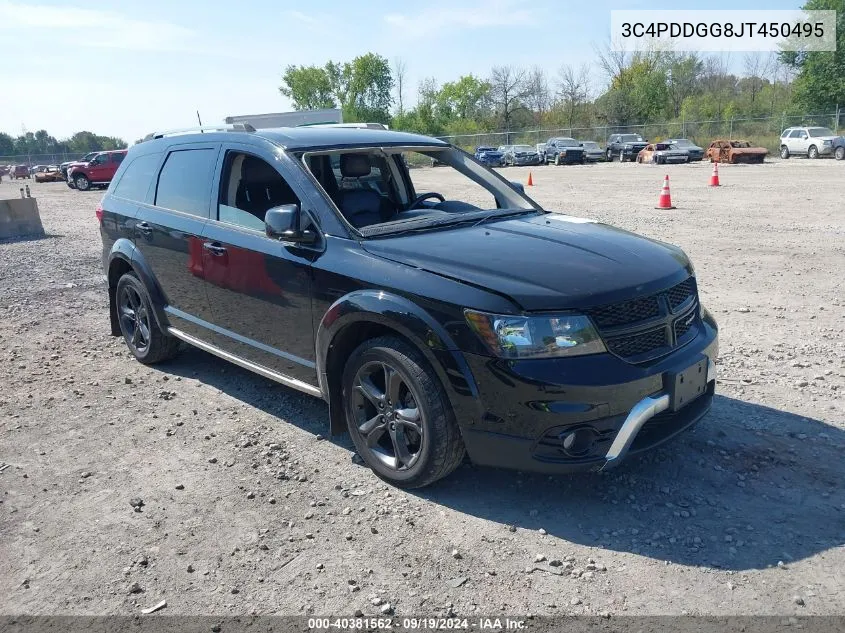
x=641, y=413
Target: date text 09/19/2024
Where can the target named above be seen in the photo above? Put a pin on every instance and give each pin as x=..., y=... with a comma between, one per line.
x=415, y=624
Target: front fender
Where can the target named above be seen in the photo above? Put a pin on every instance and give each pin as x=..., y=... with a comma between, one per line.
x=413, y=323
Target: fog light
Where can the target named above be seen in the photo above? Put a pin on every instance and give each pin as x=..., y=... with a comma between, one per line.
x=578, y=441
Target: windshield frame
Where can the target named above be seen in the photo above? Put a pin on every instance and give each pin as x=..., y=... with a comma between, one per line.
x=638, y=139
x=473, y=169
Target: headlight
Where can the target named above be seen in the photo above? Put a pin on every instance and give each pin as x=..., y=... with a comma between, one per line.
x=628, y=146
x=536, y=337
x=827, y=142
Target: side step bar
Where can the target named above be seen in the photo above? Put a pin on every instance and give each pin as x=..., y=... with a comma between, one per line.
x=287, y=381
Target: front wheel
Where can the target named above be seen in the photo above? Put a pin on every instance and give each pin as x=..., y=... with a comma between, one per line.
x=557, y=159
x=784, y=152
x=147, y=342
x=609, y=156
x=82, y=183
x=813, y=152
x=839, y=153
x=398, y=414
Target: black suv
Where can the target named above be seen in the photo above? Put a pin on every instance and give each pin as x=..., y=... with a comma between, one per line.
x=564, y=150
x=625, y=146
x=438, y=311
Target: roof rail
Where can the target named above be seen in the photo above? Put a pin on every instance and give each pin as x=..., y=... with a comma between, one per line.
x=224, y=127
x=368, y=126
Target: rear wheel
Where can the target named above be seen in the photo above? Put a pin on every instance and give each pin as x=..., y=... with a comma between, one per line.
x=813, y=152
x=839, y=153
x=398, y=414
x=138, y=324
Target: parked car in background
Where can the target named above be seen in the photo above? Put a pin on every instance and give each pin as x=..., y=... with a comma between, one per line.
x=97, y=172
x=51, y=174
x=5, y=169
x=19, y=172
x=735, y=151
x=592, y=152
x=518, y=155
x=660, y=153
x=695, y=152
x=541, y=151
x=624, y=146
x=563, y=150
x=64, y=167
x=812, y=142
x=503, y=149
x=385, y=292
x=490, y=156
x=37, y=169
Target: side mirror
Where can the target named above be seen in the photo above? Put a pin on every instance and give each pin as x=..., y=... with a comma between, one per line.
x=518, y=186
x=283, y=223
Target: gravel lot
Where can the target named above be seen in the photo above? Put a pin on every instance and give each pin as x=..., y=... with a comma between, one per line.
x=247, y=509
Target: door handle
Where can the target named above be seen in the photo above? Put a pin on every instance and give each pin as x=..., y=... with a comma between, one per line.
x=214, y=248
x=144, y=228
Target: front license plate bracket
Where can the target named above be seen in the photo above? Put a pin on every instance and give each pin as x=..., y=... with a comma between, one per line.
x=688, y=384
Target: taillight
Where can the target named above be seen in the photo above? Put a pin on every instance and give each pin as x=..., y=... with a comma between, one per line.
x=99, y=213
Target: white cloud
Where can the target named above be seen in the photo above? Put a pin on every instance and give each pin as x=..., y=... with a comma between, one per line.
x=93, y=28
x=435, y=20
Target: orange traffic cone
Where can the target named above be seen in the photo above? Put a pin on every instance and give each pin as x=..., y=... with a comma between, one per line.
x=665, y=199
x=714, y=178
x=530, y=180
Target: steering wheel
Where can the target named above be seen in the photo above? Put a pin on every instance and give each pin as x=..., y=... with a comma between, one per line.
x=425, y=196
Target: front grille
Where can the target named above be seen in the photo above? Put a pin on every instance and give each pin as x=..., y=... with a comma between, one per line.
x=638, y=344
x=679, y=294
x=647, y=327
x=626, y=312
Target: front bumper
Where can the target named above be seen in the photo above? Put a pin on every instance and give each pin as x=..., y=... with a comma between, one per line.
x=526, y=160
x=610, y=407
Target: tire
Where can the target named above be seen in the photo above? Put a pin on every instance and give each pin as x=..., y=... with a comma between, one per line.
x=784, y=152
x=82, y=183
x=621, y=156
x=138, y=324
x=557, y=160
x=430, y=442
x=839, y=153
x=813, y=152
x=609, y=155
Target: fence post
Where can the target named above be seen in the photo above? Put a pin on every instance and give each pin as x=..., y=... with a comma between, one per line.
x=731, y=134
x=836, y=128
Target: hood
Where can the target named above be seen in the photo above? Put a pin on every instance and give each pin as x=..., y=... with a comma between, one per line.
x=829, y=138
x=547, y=262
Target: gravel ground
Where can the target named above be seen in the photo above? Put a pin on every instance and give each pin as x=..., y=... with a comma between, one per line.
x=247, y=509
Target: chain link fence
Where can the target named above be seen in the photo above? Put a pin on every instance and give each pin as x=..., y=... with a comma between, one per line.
x=31, y=160
x=763, y=131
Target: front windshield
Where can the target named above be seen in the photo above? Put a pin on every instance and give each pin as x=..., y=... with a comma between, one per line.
x=590, y=145
x=682, y=142
x=627, y=138
x=387, y=190
x=820, y=131
x=523, y=148
x=567, y=142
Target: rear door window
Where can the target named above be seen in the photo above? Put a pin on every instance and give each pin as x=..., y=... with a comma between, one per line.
x=135, y=182
x=185, y=181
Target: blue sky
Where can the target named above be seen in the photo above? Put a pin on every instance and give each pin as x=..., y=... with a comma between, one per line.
x=126, y=68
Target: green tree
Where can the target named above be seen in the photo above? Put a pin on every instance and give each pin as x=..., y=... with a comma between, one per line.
x=308, y=87
x=820, y=84
x=466, y=98
x=7, y=145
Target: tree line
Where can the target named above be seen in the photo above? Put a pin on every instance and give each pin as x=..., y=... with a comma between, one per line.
x=635, y=89
x=41, y=142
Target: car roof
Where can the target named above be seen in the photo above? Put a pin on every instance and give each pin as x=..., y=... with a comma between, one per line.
x=310, y=137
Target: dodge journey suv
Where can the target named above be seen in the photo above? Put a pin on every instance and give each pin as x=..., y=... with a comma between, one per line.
x=439, y=312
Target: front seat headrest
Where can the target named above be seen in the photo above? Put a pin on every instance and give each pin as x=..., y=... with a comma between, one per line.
x=354, y=165
x=257, y=171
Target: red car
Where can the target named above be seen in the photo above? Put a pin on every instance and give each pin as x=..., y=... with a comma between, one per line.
x=19, y=171
x=97, y=172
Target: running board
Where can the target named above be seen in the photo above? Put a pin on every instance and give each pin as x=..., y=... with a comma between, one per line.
x=287, y=381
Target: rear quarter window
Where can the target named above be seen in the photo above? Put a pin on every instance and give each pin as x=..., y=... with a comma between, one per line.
x=135, y=181
x=185, y=181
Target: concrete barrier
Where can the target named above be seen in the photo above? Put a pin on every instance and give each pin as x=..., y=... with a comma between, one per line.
x=20, y=218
